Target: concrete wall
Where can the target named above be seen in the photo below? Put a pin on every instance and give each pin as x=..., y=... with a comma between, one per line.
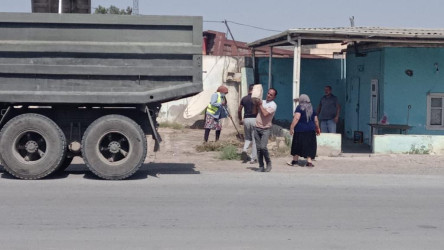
x=401, y=90
x=329, y=144
x=397, y=90
x=408, y=144
x=214, y=72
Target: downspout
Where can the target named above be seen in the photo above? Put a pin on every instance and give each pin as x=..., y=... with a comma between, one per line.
x=296, y=69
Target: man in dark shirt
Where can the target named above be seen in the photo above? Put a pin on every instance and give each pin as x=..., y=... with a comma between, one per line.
x=249, y=121
x=328, y=111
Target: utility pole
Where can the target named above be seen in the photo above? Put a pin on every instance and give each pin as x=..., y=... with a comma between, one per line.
x=135, y=7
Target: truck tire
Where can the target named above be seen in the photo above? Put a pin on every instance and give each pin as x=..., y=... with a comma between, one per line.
x=32, y=146
x=114, y=147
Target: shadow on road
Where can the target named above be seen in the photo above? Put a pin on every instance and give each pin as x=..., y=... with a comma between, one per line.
x=255, y=169
x=54, y=176
x=150, y=169
x=5, y=174
x=153, y=169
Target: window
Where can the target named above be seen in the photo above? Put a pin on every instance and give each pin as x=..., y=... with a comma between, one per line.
x=435, y=110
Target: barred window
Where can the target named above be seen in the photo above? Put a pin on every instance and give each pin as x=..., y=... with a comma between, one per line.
x=435, y=108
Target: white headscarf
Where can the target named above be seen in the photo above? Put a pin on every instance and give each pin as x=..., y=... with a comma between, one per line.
x=304, y=102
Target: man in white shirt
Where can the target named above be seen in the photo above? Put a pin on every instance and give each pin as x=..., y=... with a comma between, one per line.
x=266, y=110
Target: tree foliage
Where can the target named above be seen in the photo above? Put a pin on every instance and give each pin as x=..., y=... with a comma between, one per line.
x=113, y=10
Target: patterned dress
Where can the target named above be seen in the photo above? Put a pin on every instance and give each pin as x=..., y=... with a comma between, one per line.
x=212, y=123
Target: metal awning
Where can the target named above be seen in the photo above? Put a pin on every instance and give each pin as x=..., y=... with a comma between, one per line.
x=367, y=35
x=353, y=34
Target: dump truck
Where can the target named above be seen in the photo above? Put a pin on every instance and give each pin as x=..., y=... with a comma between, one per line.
x=91, y=86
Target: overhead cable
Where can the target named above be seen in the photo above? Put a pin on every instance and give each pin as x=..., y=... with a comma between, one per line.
x=247, y=25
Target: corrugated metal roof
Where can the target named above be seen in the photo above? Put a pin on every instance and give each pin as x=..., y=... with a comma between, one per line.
x=379, y=31
x=354, y=34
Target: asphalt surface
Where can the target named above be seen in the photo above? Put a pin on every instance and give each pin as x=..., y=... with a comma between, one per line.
x=161, y=209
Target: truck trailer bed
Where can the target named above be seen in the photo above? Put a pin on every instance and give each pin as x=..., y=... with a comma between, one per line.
x=98, y=59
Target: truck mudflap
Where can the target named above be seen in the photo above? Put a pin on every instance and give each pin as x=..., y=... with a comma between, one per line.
x=4, y=115
x=153, y=111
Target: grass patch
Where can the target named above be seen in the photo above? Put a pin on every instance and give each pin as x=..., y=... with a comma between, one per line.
x=419, y=150
x=209, y=146
x=228, y=149
x=229, y=152
x=172, y=125
x=218, y=145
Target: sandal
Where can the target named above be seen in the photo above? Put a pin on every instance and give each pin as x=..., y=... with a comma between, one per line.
x=292, y=163
x=309, y=164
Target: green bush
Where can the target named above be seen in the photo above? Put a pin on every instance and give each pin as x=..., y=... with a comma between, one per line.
x=229, y=152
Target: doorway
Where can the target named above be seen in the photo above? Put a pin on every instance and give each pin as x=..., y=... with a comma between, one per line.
x=352, y=125
x=352, y=107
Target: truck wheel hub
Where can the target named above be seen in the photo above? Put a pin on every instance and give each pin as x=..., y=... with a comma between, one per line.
x=31, y=146
x=114, y=147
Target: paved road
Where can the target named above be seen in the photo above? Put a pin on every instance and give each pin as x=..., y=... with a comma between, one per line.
x=193, y=210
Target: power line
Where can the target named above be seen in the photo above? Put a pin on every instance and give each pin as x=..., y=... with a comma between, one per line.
x=242, y=24
x=214, y=22
x=235, y=44
x=255, y=27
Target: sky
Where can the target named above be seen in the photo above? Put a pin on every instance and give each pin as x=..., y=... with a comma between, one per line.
x=250, y=20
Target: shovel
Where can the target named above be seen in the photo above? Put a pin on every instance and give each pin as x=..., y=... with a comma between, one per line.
x=239, y=136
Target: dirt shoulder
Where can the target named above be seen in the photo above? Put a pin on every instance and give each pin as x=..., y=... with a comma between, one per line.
x=179, y=147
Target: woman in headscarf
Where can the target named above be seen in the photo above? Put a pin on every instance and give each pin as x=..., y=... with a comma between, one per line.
x=304, y=128
x=215, y=111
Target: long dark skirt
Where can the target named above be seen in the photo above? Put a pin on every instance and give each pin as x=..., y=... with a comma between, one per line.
x=304, y=144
